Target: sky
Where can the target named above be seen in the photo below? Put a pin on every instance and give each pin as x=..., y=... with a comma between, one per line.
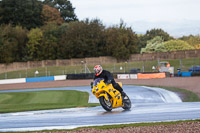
x=176, y=17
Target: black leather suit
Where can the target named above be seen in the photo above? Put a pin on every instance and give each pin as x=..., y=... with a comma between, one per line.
x=108, y=78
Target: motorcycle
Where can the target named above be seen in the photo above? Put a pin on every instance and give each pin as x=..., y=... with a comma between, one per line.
x=108, y=96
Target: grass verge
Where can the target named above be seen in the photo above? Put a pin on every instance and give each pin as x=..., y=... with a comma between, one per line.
x=42, y=100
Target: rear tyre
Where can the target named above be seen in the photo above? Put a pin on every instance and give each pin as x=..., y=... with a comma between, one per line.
x=127, y=103
x=106, y=104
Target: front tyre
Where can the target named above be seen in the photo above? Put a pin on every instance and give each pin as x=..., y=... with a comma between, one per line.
x=106, y=104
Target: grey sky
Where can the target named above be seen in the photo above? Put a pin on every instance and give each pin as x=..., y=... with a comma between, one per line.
x=177, y=17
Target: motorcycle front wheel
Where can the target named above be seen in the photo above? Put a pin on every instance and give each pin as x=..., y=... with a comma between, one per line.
x=106, y=104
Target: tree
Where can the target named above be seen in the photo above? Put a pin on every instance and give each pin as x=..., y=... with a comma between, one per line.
x=120, y=42
x=51, y=15
x=192, y=40
x=21, y=12
x=8, y=44
x=82, y=39
x=21, y=38
x=34, y=44
x=50, y=41
x=65, y=8
x=12, y=43
x=176, y=45
x=151, y=34
x=154, y=45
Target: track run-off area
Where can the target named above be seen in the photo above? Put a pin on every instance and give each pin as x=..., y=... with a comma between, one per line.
x=149, y=104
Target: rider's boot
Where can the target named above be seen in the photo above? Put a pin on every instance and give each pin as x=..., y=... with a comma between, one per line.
x=124, y=96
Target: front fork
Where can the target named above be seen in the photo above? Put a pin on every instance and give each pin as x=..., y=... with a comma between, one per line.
x=104, y=94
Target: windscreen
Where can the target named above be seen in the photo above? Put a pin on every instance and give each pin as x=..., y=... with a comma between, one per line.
x=97, y=81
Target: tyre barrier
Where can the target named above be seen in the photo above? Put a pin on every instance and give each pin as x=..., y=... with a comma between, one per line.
x=34, y=79
x=39, y=79
x=80, y=76
x=13, y=81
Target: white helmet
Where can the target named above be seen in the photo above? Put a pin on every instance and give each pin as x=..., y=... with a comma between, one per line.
x=98, y=70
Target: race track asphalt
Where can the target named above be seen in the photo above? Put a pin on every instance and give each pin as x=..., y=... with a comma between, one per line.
x=148, y=105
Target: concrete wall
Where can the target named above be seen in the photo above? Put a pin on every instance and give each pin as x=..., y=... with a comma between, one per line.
x=98, y=60
x=166, y=55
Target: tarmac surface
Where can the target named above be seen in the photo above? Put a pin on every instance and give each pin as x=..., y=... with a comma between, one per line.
x=141, y=109
x=149, y=104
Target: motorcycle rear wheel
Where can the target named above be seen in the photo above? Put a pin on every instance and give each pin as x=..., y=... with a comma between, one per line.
x=106, y=104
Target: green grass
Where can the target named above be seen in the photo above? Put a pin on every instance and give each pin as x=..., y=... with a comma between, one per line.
x=185, y=64
x=40, y=100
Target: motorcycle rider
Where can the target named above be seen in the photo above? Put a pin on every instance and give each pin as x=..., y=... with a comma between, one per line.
x=108, y=79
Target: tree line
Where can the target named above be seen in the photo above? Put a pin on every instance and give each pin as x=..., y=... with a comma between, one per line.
x=33, y=30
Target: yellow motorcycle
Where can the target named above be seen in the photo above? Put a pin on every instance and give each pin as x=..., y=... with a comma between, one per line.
x=109, y=97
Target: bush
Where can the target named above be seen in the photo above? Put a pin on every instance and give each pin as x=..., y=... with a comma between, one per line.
x=176, y=45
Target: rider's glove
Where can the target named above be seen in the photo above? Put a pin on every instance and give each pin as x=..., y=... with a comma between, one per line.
x=91, y=84
x=108, y=82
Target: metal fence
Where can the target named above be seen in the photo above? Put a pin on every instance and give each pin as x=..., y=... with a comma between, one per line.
x=125, y=67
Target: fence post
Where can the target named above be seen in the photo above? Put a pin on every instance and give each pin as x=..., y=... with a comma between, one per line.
x=6, y=75
x=46, y=71
x=26, y=73
x=180, y=62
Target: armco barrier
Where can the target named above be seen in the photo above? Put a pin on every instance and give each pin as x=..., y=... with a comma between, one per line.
x=40, y=79
x=34, y=79
x=12, y=81
x=60, y=77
